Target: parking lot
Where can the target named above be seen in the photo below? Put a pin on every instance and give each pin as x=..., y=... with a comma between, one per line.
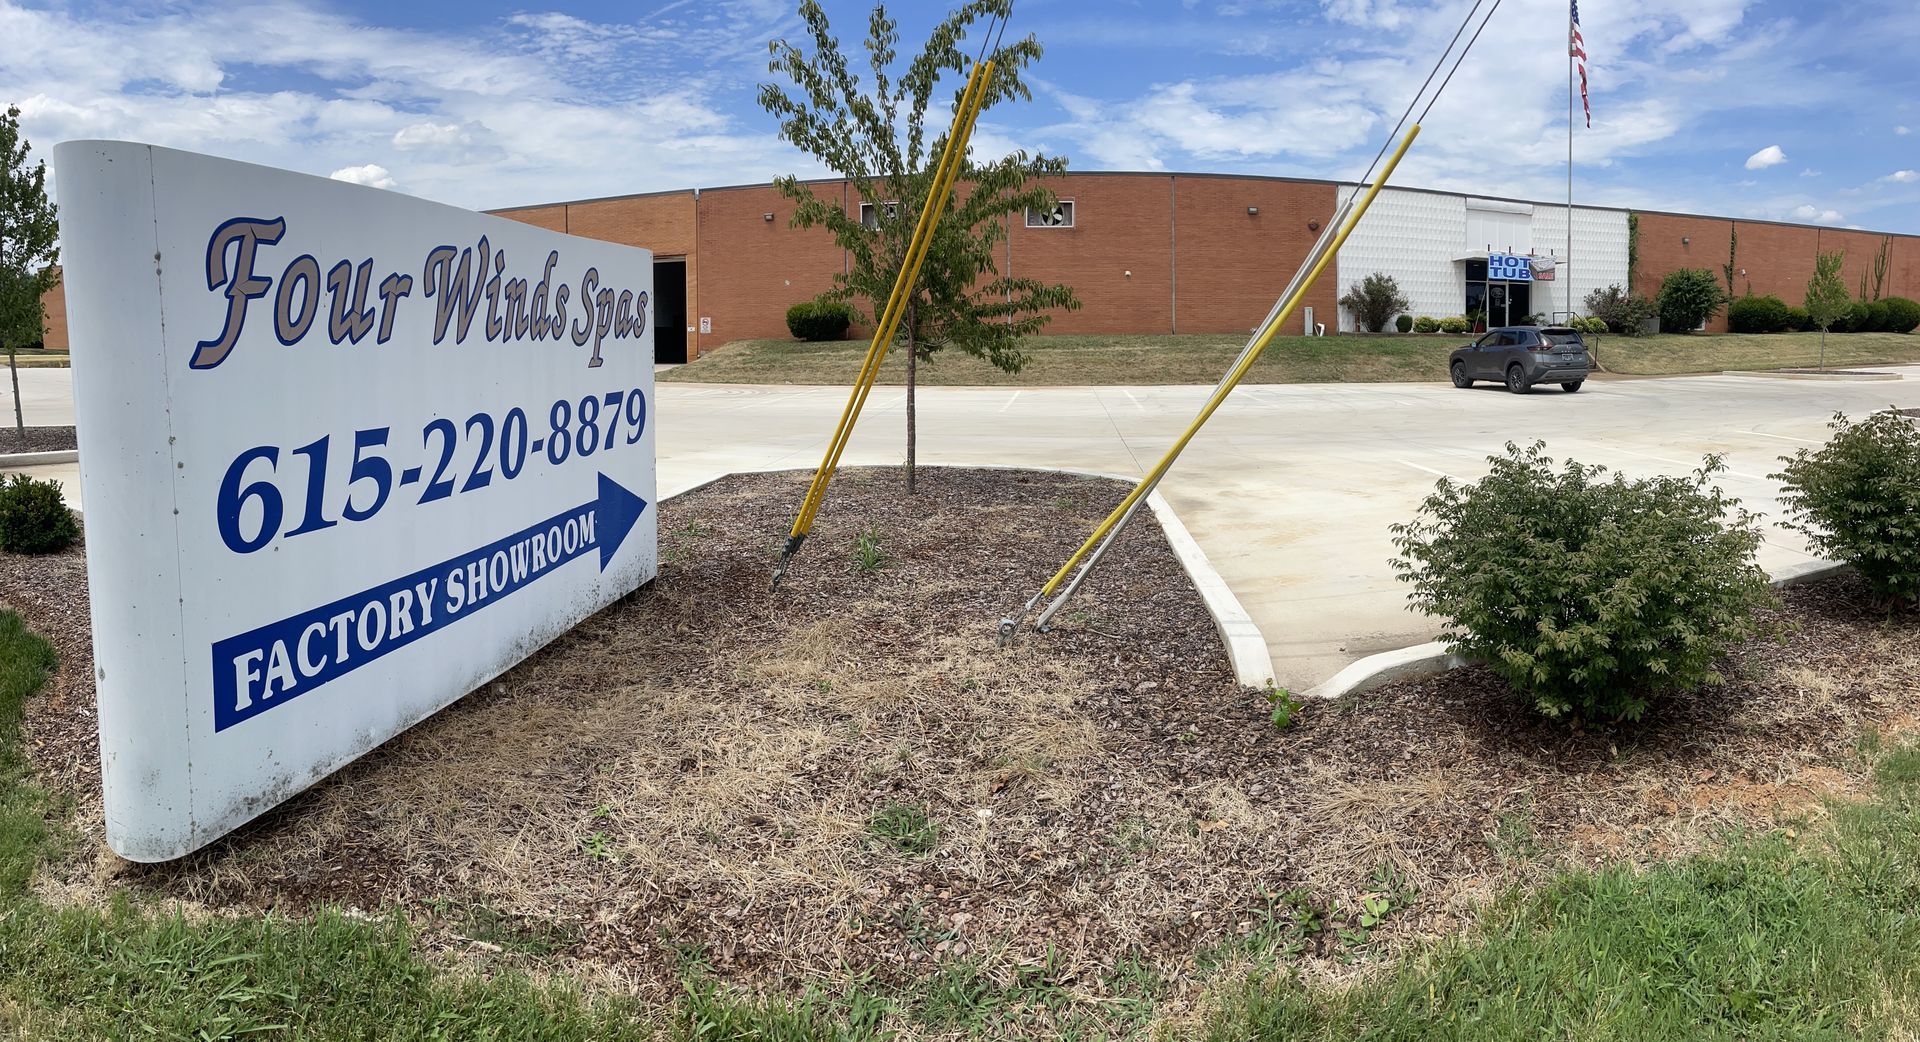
x=1290, y=489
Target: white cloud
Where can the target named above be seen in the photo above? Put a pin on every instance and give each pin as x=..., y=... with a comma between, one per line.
x=1372, y=14
x=1902, y=131
x=1809, y=172
x=1905, y=177
x=527, y=109
x=373, y=175
x=1814, y=214
x=1766, y=157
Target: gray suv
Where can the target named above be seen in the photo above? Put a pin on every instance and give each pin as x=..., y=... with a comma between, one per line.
x=1523, y=356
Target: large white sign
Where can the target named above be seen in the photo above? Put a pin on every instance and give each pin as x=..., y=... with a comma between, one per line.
x=345, y=454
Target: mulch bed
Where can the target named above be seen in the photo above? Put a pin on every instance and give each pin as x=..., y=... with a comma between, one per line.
x=693, y=776
x=39, y=439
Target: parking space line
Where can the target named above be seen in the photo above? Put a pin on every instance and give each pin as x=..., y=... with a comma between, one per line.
x=1782, y=437
x=1010, y=401
x=1426, y=470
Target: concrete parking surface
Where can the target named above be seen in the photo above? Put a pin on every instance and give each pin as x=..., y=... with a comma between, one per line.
x=1290, y=488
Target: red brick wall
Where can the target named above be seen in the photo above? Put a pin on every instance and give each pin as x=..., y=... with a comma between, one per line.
x=753, y=269
x=54, y=306
x=1234, y=264
x=1777, y=258
x=1122, y=224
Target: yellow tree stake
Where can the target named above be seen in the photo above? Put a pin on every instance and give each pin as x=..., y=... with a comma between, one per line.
x=1219, y=396
x=972, y=100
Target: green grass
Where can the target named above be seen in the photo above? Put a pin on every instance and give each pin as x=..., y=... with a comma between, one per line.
x=38, y=358
x=1812, y=934
x=1774, y=936
x=1201, y=359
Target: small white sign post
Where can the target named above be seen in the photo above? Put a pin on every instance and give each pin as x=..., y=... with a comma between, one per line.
x=346, y=455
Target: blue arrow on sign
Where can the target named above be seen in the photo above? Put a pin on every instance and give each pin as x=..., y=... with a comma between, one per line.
x=273, y=664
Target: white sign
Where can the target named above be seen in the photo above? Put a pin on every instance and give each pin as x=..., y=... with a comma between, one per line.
x=1506, y=266
x=346, y=456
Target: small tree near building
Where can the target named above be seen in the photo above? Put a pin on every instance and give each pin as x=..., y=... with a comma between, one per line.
x=1827, y=300
x=875, y=134
x=29, y=235
x=1687, y=299
x=1374, y=301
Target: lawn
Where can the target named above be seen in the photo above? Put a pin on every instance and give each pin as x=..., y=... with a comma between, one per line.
x=38, y=358
x=1201, y=358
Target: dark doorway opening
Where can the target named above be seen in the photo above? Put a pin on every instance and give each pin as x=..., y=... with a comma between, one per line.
x=670, y=311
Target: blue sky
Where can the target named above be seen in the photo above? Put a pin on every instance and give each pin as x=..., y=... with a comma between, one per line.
x=1804, y=111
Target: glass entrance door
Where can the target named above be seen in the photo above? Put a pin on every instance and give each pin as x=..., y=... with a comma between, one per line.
x=1496, y=304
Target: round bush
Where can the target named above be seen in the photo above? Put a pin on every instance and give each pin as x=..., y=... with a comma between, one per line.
x=1857, y=498
x=1797, y=318
x=33, y=517
x=1688, y=298
x=1424, y=324
x=819, y=319
x=1876, y=317
x=1453, y=324
x=1404, y=323
x=1903, y=315
x=1859, y=316
x=1592, y=595
x=1766, y=314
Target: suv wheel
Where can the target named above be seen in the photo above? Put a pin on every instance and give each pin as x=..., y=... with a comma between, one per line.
x=1517, y=380
x=1460, y=377
x=1571, y=386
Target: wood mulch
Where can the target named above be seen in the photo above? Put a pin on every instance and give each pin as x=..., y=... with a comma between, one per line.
x=38, y=439
x=714, y=773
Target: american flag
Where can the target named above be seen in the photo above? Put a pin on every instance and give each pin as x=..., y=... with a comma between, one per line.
x=1577, y=47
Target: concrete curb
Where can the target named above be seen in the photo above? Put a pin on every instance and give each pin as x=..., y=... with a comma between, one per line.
x=1245, y=646
x=12, y=460
x=1433, y=658
x=1846, y=377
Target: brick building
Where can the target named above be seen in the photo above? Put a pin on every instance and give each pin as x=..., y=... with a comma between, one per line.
x=1207, y=253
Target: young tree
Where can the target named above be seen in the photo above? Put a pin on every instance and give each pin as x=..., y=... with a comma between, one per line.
x=1827, y=300
x=29, y=234
x=1374, y=301
x=875, y=135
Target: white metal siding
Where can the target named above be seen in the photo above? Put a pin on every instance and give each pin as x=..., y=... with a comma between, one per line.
x=1418, y=238
x=1414, y=237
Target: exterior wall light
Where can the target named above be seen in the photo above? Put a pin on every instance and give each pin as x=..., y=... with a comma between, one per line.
x=1686, y=240
x=1253, y=211
x=766, y=217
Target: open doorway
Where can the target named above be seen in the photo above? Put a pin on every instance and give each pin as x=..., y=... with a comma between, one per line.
x=670, y=310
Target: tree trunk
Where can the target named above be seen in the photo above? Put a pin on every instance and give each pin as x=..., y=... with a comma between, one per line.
x=913, y=365
x=19, y=414
x=1823, y=348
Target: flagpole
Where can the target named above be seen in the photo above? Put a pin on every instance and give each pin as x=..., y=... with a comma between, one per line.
x=1566, y=264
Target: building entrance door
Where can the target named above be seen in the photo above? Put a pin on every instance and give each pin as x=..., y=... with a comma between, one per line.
x=1496, y=304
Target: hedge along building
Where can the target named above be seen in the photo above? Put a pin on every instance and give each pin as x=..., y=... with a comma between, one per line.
x=1162, y=253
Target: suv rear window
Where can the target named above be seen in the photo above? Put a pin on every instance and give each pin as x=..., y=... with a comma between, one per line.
x=1557, y=337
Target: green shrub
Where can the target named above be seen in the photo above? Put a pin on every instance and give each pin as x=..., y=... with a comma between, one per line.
x=1621, y=312
x=1768, y=314
x=1404, y=323
x=1453, y=324
x=1876, y=317
x=819, y=319
x=1903, y=315
x=1688, y=298
x=1859, y=316
x=1374, y=300
x=1797, y=318
x=33, y=517
x=1424, y=324
x=1857, y=498
x=1590, y=596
